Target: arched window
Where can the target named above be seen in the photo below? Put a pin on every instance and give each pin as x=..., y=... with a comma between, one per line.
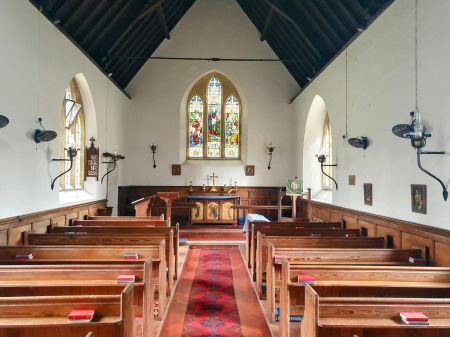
x=327, y=151
x=214, y=119
x=72, y=135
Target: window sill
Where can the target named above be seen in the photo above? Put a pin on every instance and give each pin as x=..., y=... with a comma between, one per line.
x=213, y=162
x=325, y=196
x=73, y=196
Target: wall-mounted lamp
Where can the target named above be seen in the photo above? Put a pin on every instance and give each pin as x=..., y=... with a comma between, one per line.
x=71, y=153
x=113, y=158
x=4, y=121
x=359, y=142
x=153, y=147
x=416, y=133
x=270, y=149
x=322, y=159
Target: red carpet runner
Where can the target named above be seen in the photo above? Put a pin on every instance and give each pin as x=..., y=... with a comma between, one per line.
x=214, y=297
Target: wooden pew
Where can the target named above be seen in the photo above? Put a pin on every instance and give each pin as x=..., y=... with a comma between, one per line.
x=114, y=218
x=47, y=316
x=374, y=317
x=98, y=281
x=292, y=232
x=323, y=256
x=136, y=223
x=110, y=255
x=353, y=280
x=130, y=230
x=120, y=223
x=253, y=226
x=103, y=239
x=307, y=242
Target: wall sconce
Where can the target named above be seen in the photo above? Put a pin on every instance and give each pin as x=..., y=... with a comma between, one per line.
x=416, y=133
x=71, y=153
x=270, y=149
x=114, y=157
x=321, y=159
x=359, y=142
x=153, y=148
x=4, y=121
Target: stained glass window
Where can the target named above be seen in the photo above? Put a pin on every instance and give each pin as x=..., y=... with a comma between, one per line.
x=213, y=123
x=73, y=136
x=213, y=146
x=232, y=127
x=196, y=127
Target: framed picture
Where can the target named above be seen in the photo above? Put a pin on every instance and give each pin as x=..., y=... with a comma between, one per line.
x=419, y=198
x=368, y=194
x=176, y=170
x=250, y=170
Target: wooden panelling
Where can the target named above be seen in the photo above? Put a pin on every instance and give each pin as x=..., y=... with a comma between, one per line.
x=393, y=237
x=350, y=221
x=11, y=229
x=41, y=226
x=15, y=235
x=367, y=228
x=442, y=254
x=335, y=216
x=398, y=233
x=418, y=242
x=82, y=214
x=3, y=238
x=59, y=221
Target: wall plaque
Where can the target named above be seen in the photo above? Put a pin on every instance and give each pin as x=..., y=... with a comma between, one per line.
x=91, y=165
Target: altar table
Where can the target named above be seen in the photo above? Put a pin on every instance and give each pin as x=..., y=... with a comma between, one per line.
x=213, y=209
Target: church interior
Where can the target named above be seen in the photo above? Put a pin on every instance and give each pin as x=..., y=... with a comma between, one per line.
x=224, y=168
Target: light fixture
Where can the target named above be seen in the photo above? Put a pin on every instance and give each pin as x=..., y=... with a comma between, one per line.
x=71, y=153
x=416, y=131
x=113, y=158
x=153, y=147
x=359, y=142
x=43, y=135
x=322, y=159
x=4, y=121
x=270, y=149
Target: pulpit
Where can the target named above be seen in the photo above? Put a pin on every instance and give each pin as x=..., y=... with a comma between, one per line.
x=213, y=208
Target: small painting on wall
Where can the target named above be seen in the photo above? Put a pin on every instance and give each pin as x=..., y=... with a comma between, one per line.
x=419, y=198
x=176, y=170
x=368, y=194
x=250, y=170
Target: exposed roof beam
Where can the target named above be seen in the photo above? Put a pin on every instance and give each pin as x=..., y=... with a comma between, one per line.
x=266, y=25
x=91, y=20
x=332, y=16
x=103, y=26
x=346, y=13
x=162, y=20
x=141, y=16
x=294, y=24
x=78, y=13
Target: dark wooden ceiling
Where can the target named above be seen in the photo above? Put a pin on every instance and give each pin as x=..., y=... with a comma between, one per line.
x=120, y=35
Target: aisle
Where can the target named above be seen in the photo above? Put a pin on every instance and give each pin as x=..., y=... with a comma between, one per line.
x=214, y=297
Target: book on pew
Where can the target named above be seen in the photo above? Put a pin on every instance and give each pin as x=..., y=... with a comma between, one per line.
x=277, y=259
x=183, y=242
x=126, y=278
x=155, y=309
x=415, y=260
x=292, y=318
x=24, y=257
x=81, y=316
x=131, y=256
x=306, y=279
x=414, y=318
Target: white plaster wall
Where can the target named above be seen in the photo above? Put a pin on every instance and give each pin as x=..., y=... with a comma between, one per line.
x=211, y=28
x=29, y=41
x=380, y=95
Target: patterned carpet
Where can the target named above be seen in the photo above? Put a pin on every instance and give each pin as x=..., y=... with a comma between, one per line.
x=214, y=297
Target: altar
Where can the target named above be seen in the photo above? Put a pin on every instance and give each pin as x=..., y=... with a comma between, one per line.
x=213, y=209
